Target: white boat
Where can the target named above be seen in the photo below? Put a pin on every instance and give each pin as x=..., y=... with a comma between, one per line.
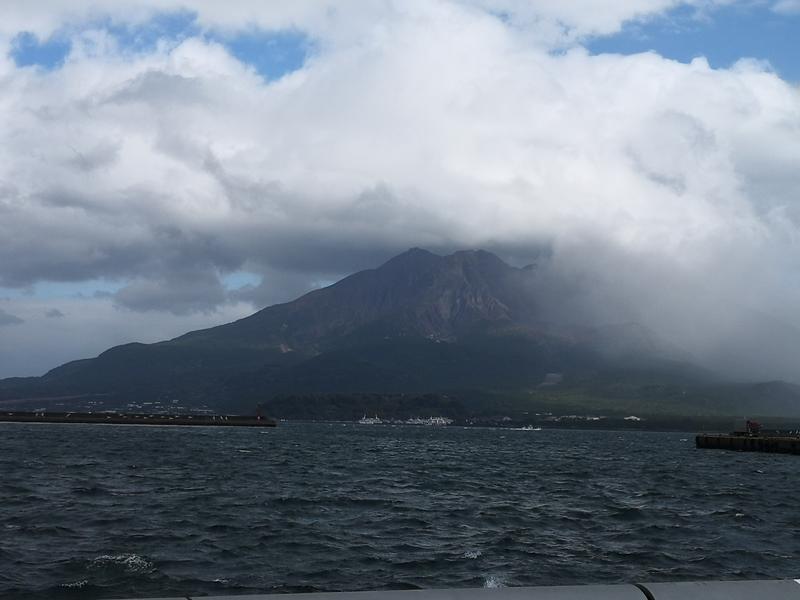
x=365, y=420
x=429, y=421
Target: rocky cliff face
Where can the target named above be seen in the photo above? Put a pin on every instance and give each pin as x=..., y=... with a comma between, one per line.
x=419, y=323
x=414, y=294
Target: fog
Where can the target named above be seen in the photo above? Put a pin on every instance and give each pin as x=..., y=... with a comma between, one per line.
x=711, y=320
x=646, y=190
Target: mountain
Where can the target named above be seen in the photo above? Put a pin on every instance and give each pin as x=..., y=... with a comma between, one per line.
x=414, y=294
x=463, y=326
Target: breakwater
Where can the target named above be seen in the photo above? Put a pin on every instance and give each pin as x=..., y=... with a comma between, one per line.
x=136, y=419
x=749, y=443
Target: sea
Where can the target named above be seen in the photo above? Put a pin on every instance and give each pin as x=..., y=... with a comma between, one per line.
x=107, y=511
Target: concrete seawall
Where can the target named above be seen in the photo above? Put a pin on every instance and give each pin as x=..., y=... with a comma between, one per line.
x=787, y=589
x=135, y=419
x=745, y=443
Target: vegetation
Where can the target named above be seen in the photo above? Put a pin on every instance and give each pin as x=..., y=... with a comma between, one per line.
x=457, y=336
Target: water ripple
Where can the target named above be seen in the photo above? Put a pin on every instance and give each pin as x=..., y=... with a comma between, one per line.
x=93, y=512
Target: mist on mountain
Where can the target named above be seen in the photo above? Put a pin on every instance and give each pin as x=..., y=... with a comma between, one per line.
x=466, y=325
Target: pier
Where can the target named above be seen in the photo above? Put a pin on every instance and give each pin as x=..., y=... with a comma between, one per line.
x=750, y=443
x=137, y=419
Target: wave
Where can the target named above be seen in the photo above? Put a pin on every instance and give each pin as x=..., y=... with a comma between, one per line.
x=493, y=581
x=132, y=563
x=321, y=511
x=92, y=490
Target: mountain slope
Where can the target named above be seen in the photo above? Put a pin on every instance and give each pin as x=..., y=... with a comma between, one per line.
x=416, y=294
x=420, y=323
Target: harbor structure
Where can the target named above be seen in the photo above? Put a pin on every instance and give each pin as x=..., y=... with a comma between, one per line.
x=783, y=444
x=103, y=418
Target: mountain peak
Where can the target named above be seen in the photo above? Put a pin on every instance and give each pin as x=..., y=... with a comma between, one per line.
x=420, y=322
x=417, y=257
x=479, y=256
x=416, y=251
x=416, y=293
x=413, y=258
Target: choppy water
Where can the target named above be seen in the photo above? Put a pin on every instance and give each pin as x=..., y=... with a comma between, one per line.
x=91, y=511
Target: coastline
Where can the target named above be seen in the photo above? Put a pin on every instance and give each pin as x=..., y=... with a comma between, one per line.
x=137, y=419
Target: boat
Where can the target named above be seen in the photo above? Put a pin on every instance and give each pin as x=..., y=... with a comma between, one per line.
x=429, y=421
x=365, y=420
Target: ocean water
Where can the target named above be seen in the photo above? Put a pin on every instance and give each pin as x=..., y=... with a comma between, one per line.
x=103, y=511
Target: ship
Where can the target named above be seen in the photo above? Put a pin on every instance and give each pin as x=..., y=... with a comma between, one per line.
x=429, y=421
x=365, y=420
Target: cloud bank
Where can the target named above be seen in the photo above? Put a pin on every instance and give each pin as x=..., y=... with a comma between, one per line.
x=665, y=190
x=9, y=319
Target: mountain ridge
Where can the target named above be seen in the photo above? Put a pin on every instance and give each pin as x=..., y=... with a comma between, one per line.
x=426, y=293
x=419, y=323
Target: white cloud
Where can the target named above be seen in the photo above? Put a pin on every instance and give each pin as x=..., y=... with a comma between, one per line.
x=417, y=123
x=564, y=22
x=346, y=20
x=787, y=7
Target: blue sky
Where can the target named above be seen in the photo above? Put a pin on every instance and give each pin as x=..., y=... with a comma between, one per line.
x=58, y=289
x=723, y=36
x=271, y=53
x=420, y=123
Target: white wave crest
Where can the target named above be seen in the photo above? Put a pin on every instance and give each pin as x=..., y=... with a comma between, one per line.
x=133, y=563
x=492, y=581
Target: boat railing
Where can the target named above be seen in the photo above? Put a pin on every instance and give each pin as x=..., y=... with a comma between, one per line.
x=784, y=589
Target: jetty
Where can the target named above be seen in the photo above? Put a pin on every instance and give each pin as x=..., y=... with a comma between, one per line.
x=118, y=418
x=783, y=444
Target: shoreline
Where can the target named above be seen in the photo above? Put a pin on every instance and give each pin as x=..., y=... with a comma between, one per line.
x=155, y=419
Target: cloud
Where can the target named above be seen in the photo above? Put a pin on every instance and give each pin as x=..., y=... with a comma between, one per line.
x=94, y=324
x=189, y=292
x=342, y=22
x=278, y=286
x=564, y=23
x=54, y=313
x=9, y=319
x=787, y=7
x=437, y=124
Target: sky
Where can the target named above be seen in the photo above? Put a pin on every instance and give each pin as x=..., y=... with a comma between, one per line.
x=169, y=165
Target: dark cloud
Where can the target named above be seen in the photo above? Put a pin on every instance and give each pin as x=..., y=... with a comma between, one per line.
x=9, y=319
x=73, y=235
x=180, y=294
x=174, y=167
x=280, y=286
x=54, y=313
x=159, y=88
x=103, y=154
